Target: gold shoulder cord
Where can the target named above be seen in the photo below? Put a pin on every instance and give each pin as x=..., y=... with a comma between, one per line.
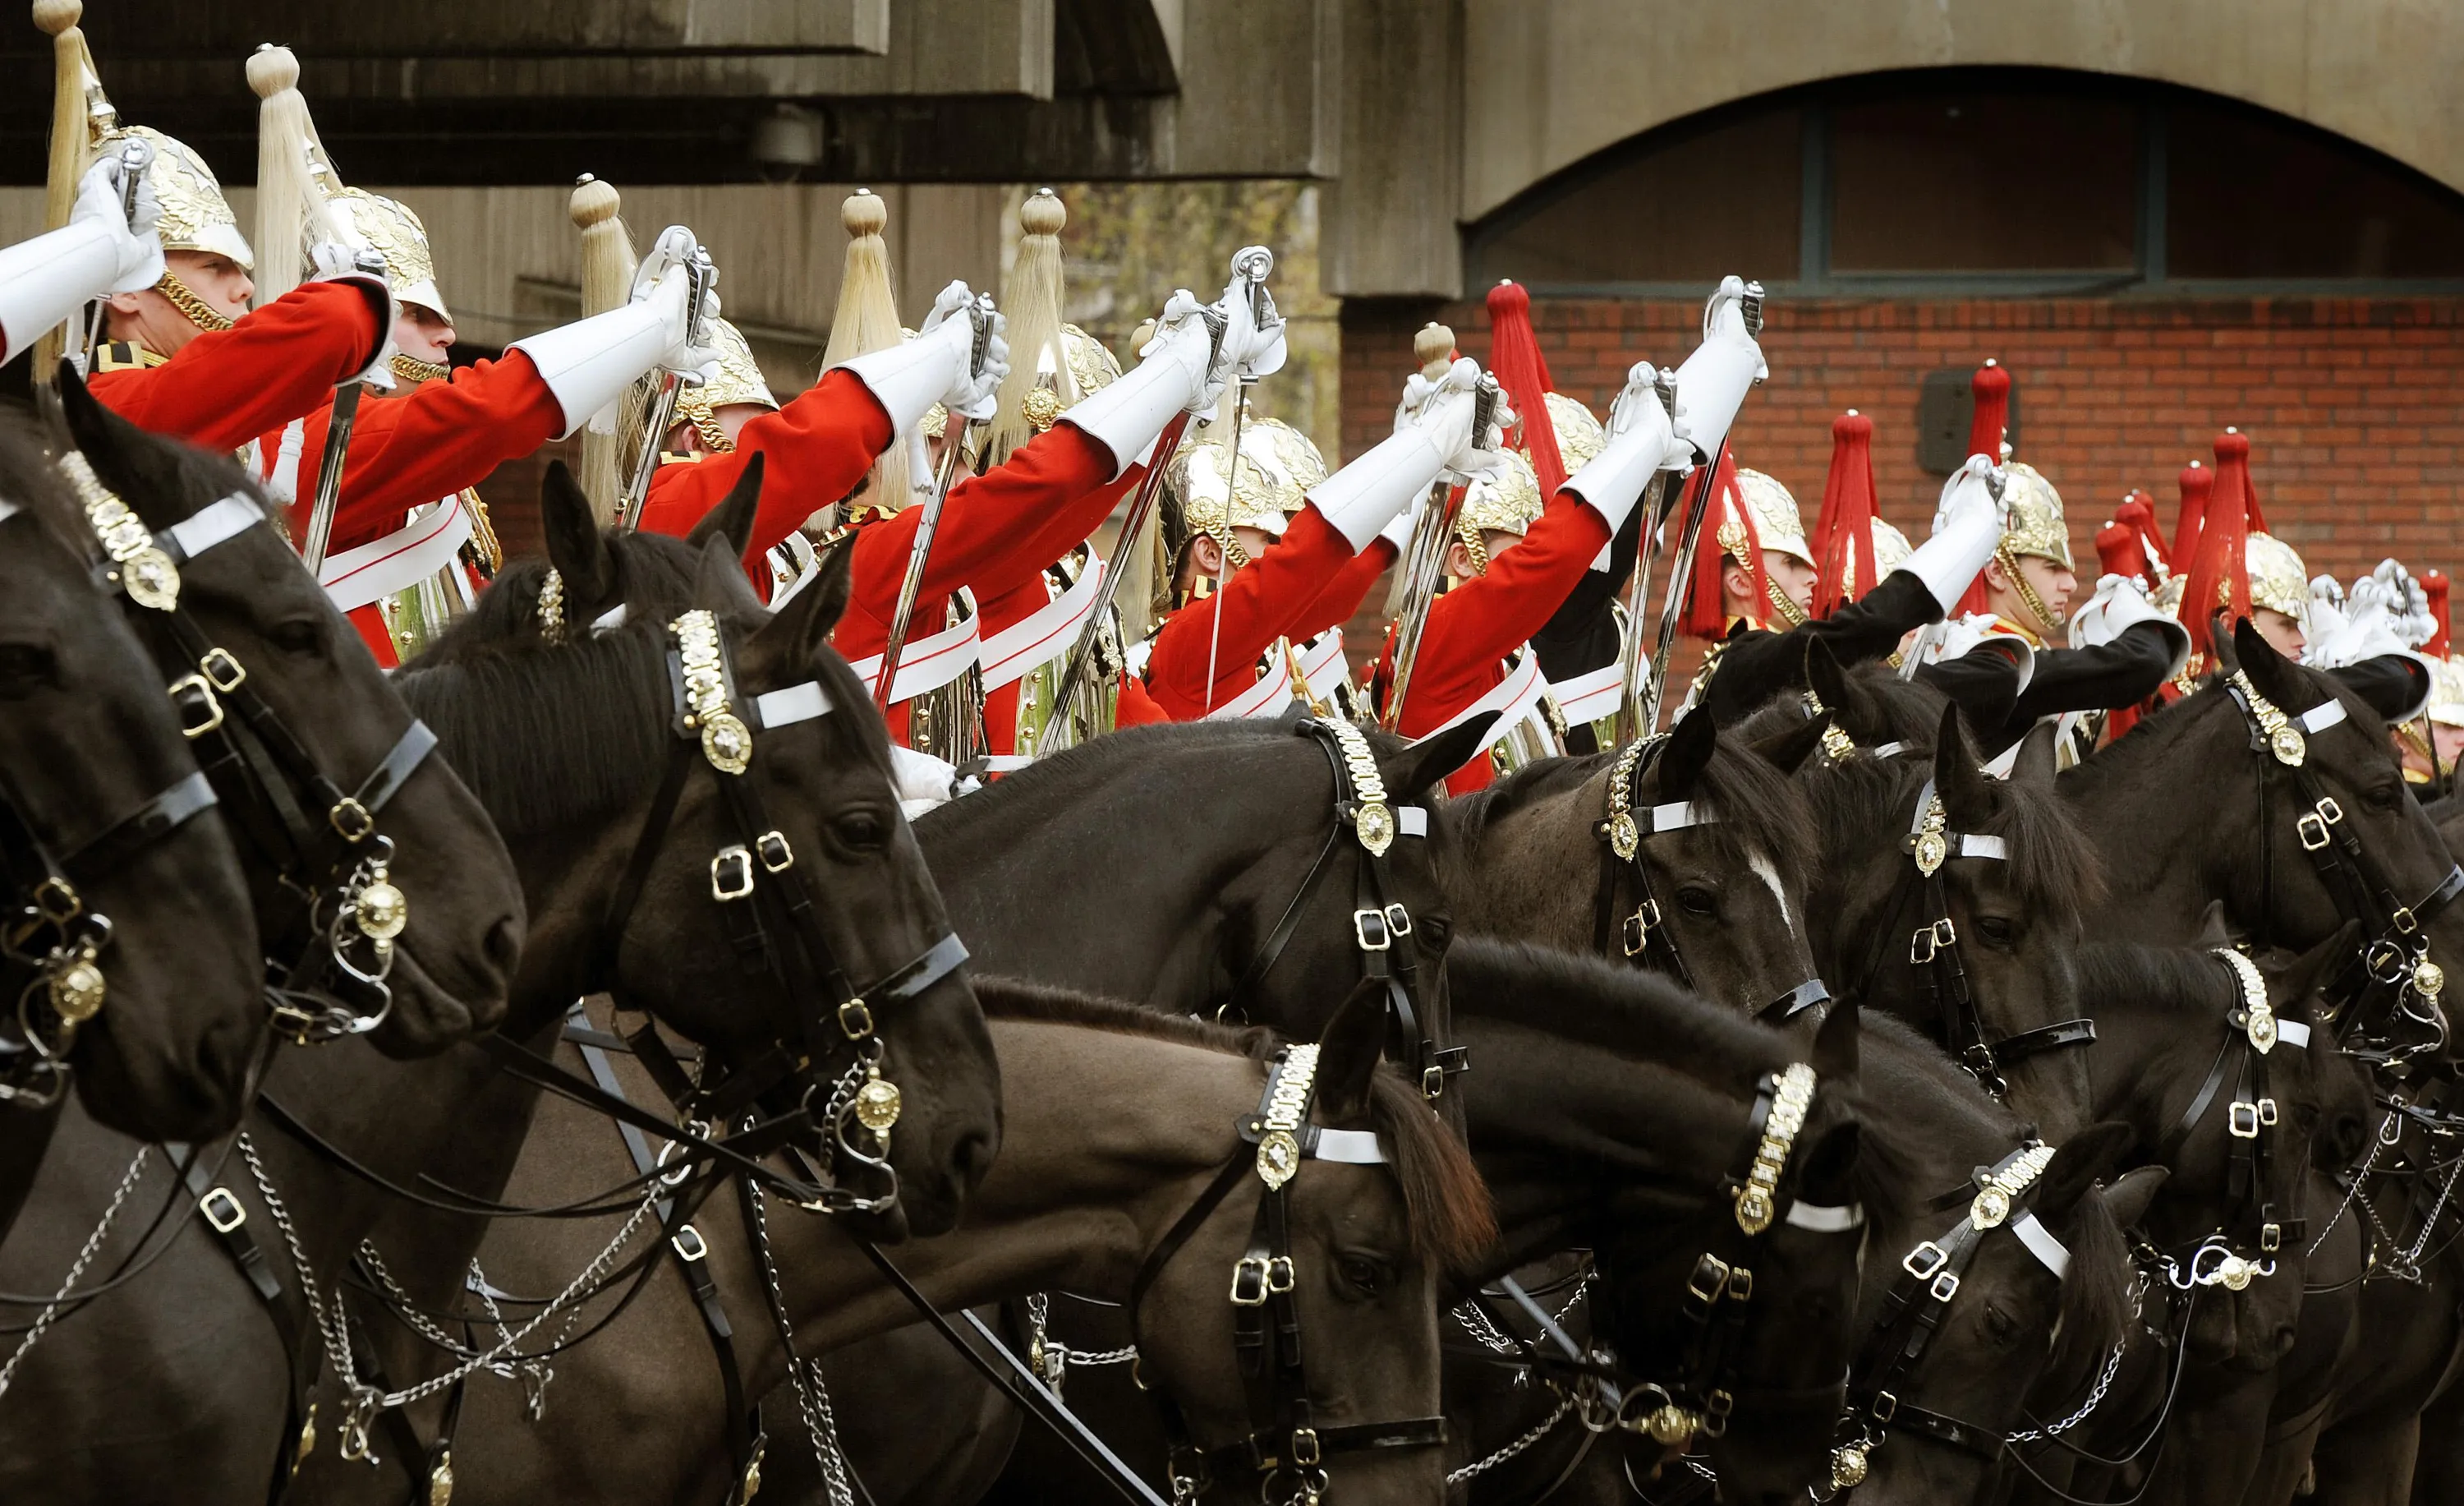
x=1375, y=821
x=139, y=567
x=1792, y=1096
x=726, y=742
x=2284, y=740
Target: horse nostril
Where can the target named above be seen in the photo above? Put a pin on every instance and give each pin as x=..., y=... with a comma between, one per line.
x=505, y=944
x=973, y=1156
x=2284, y=1339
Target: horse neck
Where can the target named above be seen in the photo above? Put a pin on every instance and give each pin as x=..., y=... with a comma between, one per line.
x=1555, y=1123
x=2152, y=1039
x=1524, y=875
x=1861, y=870
x=2166, y=856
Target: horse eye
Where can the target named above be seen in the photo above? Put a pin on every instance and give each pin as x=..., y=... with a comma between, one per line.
x=23, y=667
x=1999, y=1324
x=1698, y=901
x=862, y=830
x=305, y=636
x=1360, y=1274
x=1997, y=930
x=1435, y=932
x=2386, y=797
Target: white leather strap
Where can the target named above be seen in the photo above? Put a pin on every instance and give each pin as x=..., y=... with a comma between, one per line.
x=784, y=708
x=1825, y=1219
x=400, y=560
x=2319, y=718
x=215, y=523
x=1412, y=820
x=1322, y=665
x=1351, y=1147
x=2293, y=1033
x=1023, y=647
x=2050, y=1252
x=1515, y=698
x=1591, y=695
x=927, y=664
x=1971, y=844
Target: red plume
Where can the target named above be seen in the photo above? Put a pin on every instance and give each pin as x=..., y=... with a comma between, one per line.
x=1843, y=535
x=2221, y=577
x=1707, y=608
x=1514, y=355
x=2434, y=584
x=2120, y=550
x=2197, y=481
x=1992, y=420
x=2250, y=490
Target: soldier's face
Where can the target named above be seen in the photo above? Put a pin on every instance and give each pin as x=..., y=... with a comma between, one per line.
x=217, y=279
x=2282, y=634
x=423, y=334
x=1792, y=576
x=154, y=321
x=2053, y=583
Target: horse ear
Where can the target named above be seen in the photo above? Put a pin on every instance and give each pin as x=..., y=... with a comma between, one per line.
x=575, y=544
x=146, y=471
x=1835, y=1043
x=1691, y=743
x=2127, y=1197
x=1349, y=1048
x=2290, y=988
x=2077, y=1164
x=1788, y=750
x=2214, y=930
x=2269, y=670
x=1410, y=770
x=732, y=518
x=718, y=580
x=2228, y=658
x=2034, y=764
x=1828, y=1174
x=1966, y=791
x=801, y=628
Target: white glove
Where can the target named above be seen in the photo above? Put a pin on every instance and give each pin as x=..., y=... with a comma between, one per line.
x=664, y=282
x=1398, y=532
x=1442, y=410
x=1253, y=329
x=971, y=392
x=922, y=780
x=1967, y=525
x=2120, y=603
x=136, y=250
x=1714, y=380
x=1432, y=438
x=1642, y=441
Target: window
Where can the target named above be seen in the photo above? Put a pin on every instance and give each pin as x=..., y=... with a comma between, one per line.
x=2022, y=181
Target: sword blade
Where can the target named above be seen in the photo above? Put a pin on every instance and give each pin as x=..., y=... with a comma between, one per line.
x=1680, y=573
x=1133, y=524
x=654, y=434
x=1655, y=507
x=1423, y=559
x=329, y=473
x=917, y=555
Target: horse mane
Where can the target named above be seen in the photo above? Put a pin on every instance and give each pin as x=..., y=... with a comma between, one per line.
x=650, y=566
x=1911, y=709
x=553, y=737
x=1446, y=1203
x=1761, y=806
x=1099, y=760
x=2095, y=1295
x=2168, y=977
x=1610, y=1004
x=28, y=478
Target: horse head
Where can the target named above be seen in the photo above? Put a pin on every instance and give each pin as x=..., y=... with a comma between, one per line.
x=316, y=757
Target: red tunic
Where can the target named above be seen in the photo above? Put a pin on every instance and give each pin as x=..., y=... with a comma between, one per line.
x=225, y=389
x=820, y=445
x=1268, y=599
x=1477, y=623
x=1006, y=596
x=410, y=450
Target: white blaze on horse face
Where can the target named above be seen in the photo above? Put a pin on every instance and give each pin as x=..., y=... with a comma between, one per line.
x=1768, y=875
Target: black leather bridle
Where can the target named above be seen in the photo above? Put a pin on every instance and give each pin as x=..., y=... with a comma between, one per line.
x=1283, y=1438
x=1912, y=1314
x=2395, y=975
x=1641, y=932
x=1934, y=951
x=323, y=839
x=1381, y=926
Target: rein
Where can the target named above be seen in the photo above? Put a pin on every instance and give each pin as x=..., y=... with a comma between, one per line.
x=322, y=838
x=1641, y=933
x=1379, y=921
x=1283, y=1438
x=1934, y=951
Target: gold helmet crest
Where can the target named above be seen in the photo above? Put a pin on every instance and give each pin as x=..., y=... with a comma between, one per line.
x=2278, y=581
x=735, y=378
x=2037, y=525
x=1277, y=467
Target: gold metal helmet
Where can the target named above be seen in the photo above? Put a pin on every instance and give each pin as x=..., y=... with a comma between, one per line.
x=1778, y=524
x=2036, y=524
x=2447, y=693
x=735, y=378
x=2278, y=581
x=195, y=216
x=1091, y=368
x=1277, y=468
x=1509, y=501
x=396, y=232
x=1891, y=549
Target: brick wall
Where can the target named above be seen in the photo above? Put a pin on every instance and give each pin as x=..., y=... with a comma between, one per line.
x=2354, y=407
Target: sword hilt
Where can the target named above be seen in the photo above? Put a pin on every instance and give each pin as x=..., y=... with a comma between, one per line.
x=1751, y=306
x=134, y=157
x=980, y=314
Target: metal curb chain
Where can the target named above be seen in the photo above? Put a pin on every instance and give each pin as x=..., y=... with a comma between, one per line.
x=1565, y=1405
x=85, y=1257
x=1050, y=1358
x=812, y=1391
x=2095, y=1397
x=1477, y=1322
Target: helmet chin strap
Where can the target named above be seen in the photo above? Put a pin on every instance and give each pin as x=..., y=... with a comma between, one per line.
x=184, y=297
x=2044, y=628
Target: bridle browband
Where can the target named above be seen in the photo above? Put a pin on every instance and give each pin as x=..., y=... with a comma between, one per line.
x=47, y=927
x=1933, y=949
x=1283, y=1438
x=774, y=930
x=1380, y=924
x=2251, y=1032
x=1912, y=1314
x=2396, y=972
x=321, y=838
x=1641, y=933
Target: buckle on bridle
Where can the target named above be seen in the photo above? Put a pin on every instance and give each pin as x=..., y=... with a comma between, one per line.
x=1250, y=1282
x=2404, y=921
x=1639, y=926
x=776, y=855
x=351, y=819
x=1305, y=1446
x=1708, y=1278
x=194, y=699
x=221, y=1210
x=56, y=898
x=2242, y=1118
x=689, y=1243
x=1917, y=1264
x=1433, y=1081
x=731, y=874
x=855, y=1019
x=2270, y=1237
x=1370, y=929
x=2313, y=829
x=1930, y=940
x=221, y=671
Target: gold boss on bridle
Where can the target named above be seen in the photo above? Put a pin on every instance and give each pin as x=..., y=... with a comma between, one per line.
x=1375, y=821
